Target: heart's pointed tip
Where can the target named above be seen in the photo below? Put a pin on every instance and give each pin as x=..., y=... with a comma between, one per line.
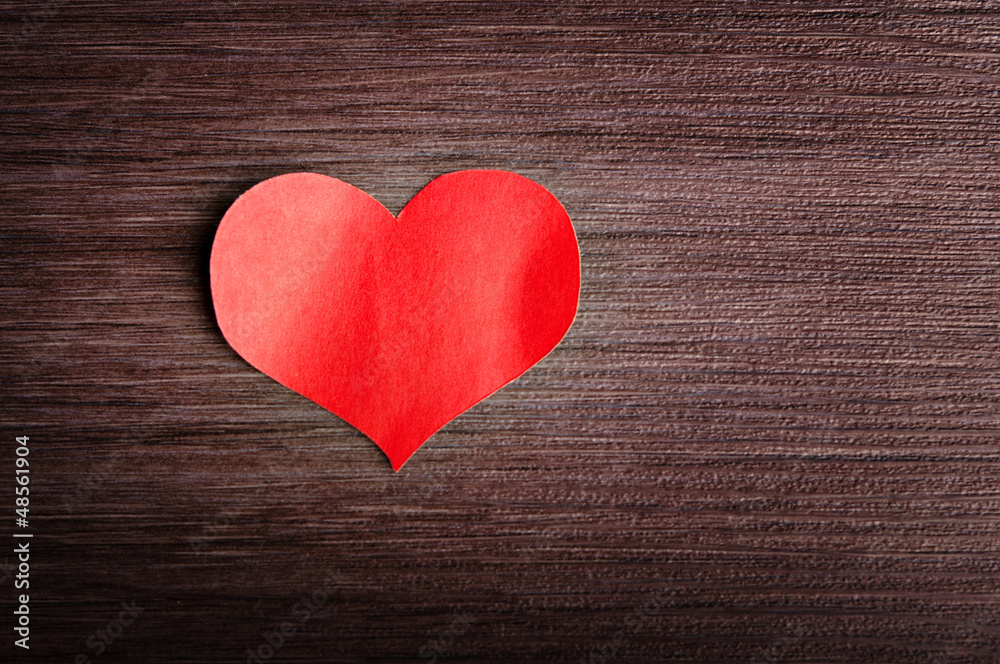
x=396, y=450
x=399, y=460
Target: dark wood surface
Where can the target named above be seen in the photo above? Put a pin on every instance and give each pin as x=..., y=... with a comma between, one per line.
x=772, y=435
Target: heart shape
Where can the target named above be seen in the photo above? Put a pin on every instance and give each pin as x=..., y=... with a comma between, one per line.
x=395, y=324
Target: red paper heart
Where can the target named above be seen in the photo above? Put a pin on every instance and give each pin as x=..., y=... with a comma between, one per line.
x=395, y=324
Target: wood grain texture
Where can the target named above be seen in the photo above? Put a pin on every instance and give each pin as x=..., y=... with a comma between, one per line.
x=772, y=435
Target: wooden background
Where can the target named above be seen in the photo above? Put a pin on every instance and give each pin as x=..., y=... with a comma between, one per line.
x=772, y=435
